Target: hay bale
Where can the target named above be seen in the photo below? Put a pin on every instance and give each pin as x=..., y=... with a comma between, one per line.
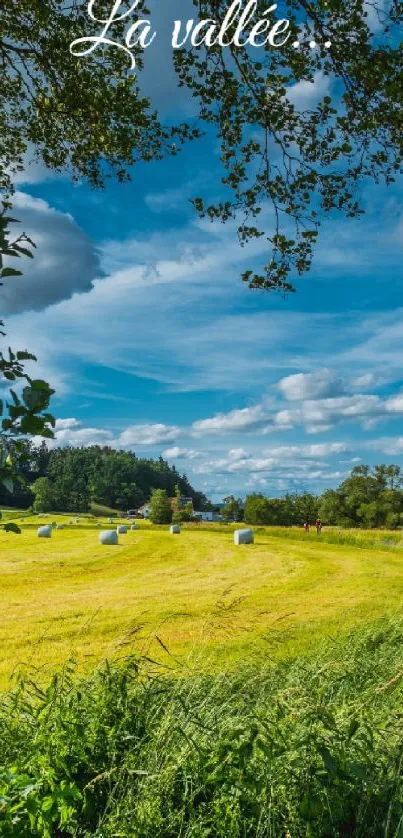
x=59, y=526
x=76, y=520
x=243, y=537
x=110, y=520
x=108, y=537
x=134, y=527
x=121, y=529
x=45, y=532
x=175, y=529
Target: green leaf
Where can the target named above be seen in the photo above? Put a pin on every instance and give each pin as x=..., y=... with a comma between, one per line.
x=24, y=251
x=9, y=272
x=328, y=760
x=310, y=807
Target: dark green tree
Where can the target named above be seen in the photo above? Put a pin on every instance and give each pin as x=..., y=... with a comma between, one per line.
x=257, y=510
x=233, y=509
x=366, y=498
x=306, y=508
x=44, y=495
x=160, y=507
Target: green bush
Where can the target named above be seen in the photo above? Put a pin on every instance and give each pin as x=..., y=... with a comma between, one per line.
x=160, y=507
x=310, y=747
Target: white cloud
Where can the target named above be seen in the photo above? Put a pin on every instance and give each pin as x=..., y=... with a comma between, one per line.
x=387, y=445
x=83, y=437
x=395, y=404
x=151, y=434
x=317, y=429
x=324, y=449
x=244, y=419
x=364, y=382
x=274, y=460
x=35, y=170
x=64, y=424
x=318, y=384
x=176, y=453
x=307, y=94
x=71, y=432
x=321, y=414
x=237, y=454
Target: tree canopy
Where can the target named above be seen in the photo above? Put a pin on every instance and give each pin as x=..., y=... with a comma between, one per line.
x=283, y=167
x=84, y=116
x=160, y=507
x=286, y=166
x=369, y=498
x=70, y=479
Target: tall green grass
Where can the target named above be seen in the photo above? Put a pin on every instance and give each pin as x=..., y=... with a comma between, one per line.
x=307, y=747
x=363, y=539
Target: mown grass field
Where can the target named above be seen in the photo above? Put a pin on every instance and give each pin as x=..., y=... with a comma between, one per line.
x=210, y=603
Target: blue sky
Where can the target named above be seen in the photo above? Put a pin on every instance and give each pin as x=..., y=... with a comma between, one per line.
x=138, y=316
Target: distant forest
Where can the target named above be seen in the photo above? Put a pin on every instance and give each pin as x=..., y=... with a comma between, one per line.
x=369, y=497
x=70, y=479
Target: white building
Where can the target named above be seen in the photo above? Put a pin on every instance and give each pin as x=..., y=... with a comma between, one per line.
x=208, y=516
x=145, y=510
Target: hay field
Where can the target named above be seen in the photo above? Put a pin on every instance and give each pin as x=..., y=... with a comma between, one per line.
x=200, y=595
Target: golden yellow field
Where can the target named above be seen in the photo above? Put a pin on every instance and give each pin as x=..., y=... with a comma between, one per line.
x=196, y=592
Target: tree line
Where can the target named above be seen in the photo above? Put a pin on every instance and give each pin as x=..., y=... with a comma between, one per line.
x=71, y=479
x=369, y=497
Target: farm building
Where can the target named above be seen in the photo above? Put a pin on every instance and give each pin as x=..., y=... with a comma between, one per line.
x=208, y=516
x=175, y=504
x=145, y=510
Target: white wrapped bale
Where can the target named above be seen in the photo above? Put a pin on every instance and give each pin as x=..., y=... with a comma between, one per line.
x=45, y=532
x=121, y=529
x=243, y=537
x=110, y=520
x=175, y=529
x=108, y=537
x=59, y=527
x=76, y=520
x=134, y=527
